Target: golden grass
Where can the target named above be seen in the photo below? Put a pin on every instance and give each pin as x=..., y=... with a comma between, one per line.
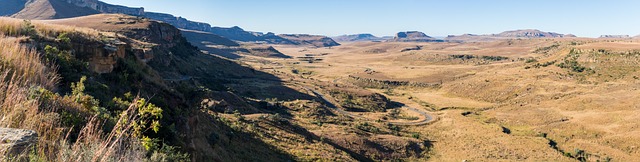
x=596, y=112
x=13, y=27
x=22, y=76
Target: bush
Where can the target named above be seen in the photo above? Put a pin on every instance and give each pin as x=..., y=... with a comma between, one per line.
x=28, y=29
x=367, y=127
x=415, y=135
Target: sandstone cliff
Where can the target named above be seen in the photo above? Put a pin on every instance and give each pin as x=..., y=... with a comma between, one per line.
x=178, y=22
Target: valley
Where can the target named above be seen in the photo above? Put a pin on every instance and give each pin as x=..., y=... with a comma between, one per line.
x=86, y=80
x=514, y=103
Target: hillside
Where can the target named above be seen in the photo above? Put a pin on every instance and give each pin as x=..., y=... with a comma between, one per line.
x=525, y=33
x=51, y=9
x=150, y=59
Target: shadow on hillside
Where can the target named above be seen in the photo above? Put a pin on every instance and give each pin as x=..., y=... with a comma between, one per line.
x=213, y=44
x=310, y=137
x=210, y=139
x=185, y=67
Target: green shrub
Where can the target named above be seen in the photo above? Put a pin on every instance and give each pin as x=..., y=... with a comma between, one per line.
x=28, y=29
x=367, y=127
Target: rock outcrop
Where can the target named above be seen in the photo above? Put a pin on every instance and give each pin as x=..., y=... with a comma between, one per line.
x=107, y=8
x=356, y=38
x=101, y=56
x=143, y=36
x=15, y=143
x=414, y=36
x=314, y=40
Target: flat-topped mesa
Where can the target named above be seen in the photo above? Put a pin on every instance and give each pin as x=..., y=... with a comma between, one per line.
x=306, y=39
x=179, y=22
x=414, y=36
x=615, y=36
x=531, y=33
x=356, y=38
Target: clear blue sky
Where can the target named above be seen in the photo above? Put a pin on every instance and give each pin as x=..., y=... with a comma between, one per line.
x=589, y=18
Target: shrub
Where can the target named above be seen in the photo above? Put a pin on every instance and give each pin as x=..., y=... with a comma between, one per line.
x=367, y=127
x=415, y=135
x=28, y=29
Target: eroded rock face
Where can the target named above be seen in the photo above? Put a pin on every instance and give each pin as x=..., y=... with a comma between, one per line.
x=102, y=57
x=107, y=8
x=16, y=142
x=178, y=22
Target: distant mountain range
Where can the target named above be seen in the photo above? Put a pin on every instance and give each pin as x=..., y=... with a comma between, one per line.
x=531, y=33
x=615, y=36
x=57, y=9
x=417, y=36
x=525, y=33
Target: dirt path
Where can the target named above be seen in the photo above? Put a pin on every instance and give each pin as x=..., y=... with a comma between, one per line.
x=330, y=103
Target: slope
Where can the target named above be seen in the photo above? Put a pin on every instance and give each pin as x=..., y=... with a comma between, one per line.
x=52, y=9
x=154, y=60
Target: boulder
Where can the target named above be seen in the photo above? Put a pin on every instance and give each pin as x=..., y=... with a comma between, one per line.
x=16, y=142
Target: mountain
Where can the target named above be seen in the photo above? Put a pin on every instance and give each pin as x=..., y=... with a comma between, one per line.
x=526, y=33
x=179, y=22
x=214, y=44
x=615, y=36
x=52, y=9
x=414, y=36
x=531, y=33
x=56, y=9
x=314, y=40
x=151, y=58
x=356, y=38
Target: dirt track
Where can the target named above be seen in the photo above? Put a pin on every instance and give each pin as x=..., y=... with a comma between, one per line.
x=329, y=102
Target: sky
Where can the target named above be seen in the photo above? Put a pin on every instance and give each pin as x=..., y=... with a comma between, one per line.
x=585, y=18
